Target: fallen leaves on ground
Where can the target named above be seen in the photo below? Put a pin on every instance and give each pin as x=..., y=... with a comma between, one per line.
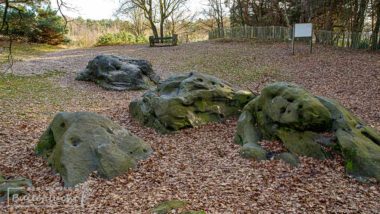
x=199, y=165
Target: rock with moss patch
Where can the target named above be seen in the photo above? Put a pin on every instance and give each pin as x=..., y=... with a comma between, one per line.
x=167, y=206
x=77, y=144
x=310, y=126
x=194, y=212
x=358, y=143
x=288, y=158
x=116, y=73
x=188, y=100
x=253, y=151
x=13, y=186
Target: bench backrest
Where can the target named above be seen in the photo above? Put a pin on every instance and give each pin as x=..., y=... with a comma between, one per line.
x=168, y=39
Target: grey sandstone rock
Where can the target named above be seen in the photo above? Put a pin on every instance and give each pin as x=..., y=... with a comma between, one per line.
x=188, y=100
x=77, y=144
x=116, y=73
x=310, y=126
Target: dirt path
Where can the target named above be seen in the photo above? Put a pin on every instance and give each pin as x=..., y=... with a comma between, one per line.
x=199, y=165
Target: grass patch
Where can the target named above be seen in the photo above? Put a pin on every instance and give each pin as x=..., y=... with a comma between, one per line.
x=26, y=87
x=227, y=65
x=32, y=97
x=22, y=51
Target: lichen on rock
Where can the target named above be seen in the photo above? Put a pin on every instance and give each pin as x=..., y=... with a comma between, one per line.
x=77, y=144
x=307, y=125
x=116, y=73
x=188, y=100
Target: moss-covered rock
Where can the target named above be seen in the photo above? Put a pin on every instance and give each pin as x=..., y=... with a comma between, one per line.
x=359, y=143
x=187, y=101
x=307, y=124
x=301, y=143
x=167, y=206
x=193, y=212
x=13, y=186
x=253, y=151
x=76, y=144
x=116, y=73
x=288, y=158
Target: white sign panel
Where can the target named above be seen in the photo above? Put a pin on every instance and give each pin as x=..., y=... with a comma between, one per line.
x=303, y=30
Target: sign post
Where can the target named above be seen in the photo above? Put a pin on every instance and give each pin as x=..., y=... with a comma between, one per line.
x=304, y=30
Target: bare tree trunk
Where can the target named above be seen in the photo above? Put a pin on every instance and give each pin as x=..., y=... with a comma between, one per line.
x=167, y=8
x=358, y=24
x=375, y=33
x=240, y=5
x=162, y=18
x=286, y=14
x=153, y=27
x=146, y=6
x=173, y=23
x=221, y=15
x=161, y=28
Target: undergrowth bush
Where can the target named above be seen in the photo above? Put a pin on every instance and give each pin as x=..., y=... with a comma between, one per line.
x=120, y=38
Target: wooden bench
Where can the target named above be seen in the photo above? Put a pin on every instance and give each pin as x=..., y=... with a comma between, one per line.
x=163, y=41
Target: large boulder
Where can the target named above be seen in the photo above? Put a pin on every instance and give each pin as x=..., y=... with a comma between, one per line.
x=308, y=125
x=13, y=186
x=188, y=100
x=77, y=144
x=116, y=73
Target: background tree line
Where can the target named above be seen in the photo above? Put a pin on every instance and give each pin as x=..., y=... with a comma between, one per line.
x=330, y=15
x=35, y=21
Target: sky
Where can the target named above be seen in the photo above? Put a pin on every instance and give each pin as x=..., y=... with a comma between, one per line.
x=104, y=9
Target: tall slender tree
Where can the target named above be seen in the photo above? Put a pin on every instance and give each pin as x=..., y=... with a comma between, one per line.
x=148, y=7
x=155, y=11
x=216, y=11
x=167, y=8
x=375, y=33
